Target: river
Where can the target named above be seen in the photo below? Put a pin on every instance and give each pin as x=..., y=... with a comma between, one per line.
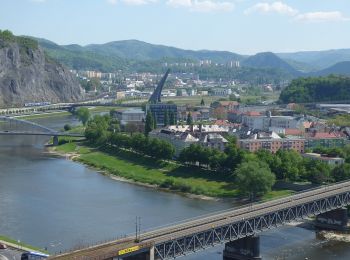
x=51, y=202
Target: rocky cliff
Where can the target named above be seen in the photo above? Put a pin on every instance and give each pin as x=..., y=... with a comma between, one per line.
x=28, y=75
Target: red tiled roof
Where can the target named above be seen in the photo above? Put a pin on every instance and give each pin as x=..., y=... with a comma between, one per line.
x=228, y=103
x=252, y=113
x=293, y=131
x=324, y=135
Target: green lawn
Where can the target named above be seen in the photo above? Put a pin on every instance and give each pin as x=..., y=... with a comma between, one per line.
x=166, y=175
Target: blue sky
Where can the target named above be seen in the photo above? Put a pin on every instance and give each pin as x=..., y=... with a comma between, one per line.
x=242, y=26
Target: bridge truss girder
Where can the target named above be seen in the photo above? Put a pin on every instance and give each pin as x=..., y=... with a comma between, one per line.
x=191, y=243
x=13, y=124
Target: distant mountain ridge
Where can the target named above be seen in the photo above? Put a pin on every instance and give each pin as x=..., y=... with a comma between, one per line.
x=318, y=59
x=341, y=68
x=120, y=55
x=138, y=50
x=269, y=60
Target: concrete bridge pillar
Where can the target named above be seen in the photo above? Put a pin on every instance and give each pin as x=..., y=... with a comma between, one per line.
x=334, y=220
x=247, y=248
x=55, y=140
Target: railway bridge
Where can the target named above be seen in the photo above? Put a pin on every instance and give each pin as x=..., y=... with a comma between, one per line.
x=236, y=228
x=13, y=126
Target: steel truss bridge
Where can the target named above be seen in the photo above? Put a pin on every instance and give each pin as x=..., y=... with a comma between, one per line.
x=14, y=126
x=207, y=231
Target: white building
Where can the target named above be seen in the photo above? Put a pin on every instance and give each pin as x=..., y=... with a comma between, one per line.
x=133, y=115
x=334, y=161
x=265, y=122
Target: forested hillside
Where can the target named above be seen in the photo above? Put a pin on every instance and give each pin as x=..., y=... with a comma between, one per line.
x=316, y=89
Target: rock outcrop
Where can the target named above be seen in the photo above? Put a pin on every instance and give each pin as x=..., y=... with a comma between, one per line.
x=27, y=74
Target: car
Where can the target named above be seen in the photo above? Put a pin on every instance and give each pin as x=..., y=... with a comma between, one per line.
x=3, y=246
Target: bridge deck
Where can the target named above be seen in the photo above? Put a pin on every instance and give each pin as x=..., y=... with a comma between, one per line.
x=40, y=133
x=208, y=222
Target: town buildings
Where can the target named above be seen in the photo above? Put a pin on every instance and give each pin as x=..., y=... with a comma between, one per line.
x=182, y=136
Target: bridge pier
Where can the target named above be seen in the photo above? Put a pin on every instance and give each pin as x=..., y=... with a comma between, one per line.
x=247, y=248
x=55, y=140
x=333, y=220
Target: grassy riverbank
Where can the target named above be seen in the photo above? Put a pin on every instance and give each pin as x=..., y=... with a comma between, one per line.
x=167, y=175
x=66, y=113
x=17, y=244
x=44, y=115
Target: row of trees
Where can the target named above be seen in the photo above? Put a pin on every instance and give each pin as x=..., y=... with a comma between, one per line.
x=255, y=173
x=224, y=162
x=153, y=147
x=101, y=130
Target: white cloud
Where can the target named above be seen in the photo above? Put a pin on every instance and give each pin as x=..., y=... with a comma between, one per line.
x=180, y=3
x=202, y=5
x=316, y=17
x=138, y=2
x=112, y=2
x=275, y=7
x=130, y=2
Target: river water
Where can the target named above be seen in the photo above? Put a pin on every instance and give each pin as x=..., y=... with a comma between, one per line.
x=52, y=202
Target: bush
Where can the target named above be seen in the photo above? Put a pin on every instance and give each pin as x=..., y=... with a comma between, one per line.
x=67, y=127
x=168, y=183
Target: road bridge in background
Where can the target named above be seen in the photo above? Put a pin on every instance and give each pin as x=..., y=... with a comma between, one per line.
x=13, y=126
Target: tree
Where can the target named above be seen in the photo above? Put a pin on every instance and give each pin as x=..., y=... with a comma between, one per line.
x=112, y=112
x=202, y=102
x=317, y=171
x=83, y=114
x=96, y=129
x=234, y=156
x=131, y=128
x=172, y=120
x=189, y=119
x=290, y=166
x=254, y=178
x=166, y=118
x=341, y=172
x=155, y=123
x=149, y=124
x=67, y=127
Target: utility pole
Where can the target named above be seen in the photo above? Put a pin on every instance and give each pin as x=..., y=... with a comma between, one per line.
x=137, y=228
